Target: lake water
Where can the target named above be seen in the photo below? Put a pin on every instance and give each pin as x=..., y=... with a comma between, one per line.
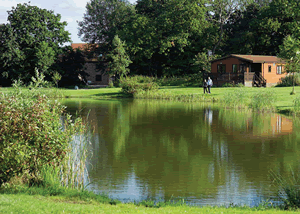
x=207, y=155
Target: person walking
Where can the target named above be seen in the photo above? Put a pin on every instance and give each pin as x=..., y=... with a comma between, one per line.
x=205, y=86
x=209, y=84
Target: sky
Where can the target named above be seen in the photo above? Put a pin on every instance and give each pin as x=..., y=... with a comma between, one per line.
x=71, y=11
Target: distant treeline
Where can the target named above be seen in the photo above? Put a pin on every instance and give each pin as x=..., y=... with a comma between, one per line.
x=157, y=37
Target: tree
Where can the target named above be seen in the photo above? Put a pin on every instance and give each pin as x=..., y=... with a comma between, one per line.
x=162, y=35
x=220, y=12
x=31, y=40
x=203, y=62
x=119, y=60
x=70, y=65
x=102, y=21
x=290, y=52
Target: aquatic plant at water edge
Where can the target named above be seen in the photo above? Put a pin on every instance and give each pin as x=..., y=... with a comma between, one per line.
x=31, y=134
x=170, y=96
x=288, y=189
x=236, y=98
x=297, y=105
x=263, y=99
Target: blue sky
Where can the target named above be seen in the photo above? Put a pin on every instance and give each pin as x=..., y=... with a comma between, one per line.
x=70, y=10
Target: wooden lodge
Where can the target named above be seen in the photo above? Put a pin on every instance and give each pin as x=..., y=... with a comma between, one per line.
x=250, y=70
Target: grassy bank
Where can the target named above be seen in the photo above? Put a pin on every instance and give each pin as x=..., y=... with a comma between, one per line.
x=21, y=203
x=284, y=101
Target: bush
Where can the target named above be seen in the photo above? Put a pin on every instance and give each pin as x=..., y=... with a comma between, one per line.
x=31, y=133
x=288, y=80
x=195, y=80
x=131, y=85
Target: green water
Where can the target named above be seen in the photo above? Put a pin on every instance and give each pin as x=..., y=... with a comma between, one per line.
x=204, y=154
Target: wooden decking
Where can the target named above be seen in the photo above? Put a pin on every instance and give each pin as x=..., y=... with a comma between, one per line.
x=246, y=78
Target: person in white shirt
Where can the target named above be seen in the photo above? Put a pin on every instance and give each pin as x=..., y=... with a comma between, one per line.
x=209, y=84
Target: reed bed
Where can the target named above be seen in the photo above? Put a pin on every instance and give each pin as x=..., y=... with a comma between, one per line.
x=166, y=95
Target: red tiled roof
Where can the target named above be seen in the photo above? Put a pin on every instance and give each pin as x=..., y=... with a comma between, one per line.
x=83, y=46
x=254, y=58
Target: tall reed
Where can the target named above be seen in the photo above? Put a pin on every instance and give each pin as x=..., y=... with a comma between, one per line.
x=237, y=98
x=288, y=188
x=263, y=100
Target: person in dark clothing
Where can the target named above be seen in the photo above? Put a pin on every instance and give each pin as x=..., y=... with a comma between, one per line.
x=205, y=86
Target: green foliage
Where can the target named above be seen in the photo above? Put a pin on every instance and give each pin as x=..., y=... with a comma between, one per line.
x=132, y=85
x=288, y=80
x=119, y=60
x=184, y=80
x=236, y=98
x=297, y=105
x=233, y=85
x=70, y=65
x=31, y=132
x=263, y=100
x=56, y=78
x=202, y=61
x=290, y=52
x=288, y=189
x=30, y=40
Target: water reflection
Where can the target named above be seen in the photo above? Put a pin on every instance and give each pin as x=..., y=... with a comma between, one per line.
x=206, y=154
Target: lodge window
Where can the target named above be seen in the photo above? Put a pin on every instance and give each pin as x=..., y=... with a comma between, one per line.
x=234, y=68
x=242, y=68
x=98, y=77
x=270, y=68
x=221, y=68
x=279, y=69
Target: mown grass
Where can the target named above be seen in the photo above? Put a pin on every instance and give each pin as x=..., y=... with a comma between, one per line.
x=284, y=101
x=21, y=203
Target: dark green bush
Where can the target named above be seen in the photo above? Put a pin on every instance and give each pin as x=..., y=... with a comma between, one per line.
x=288, y=80
x=31, y=133
x=131, y=85
x=195, y=80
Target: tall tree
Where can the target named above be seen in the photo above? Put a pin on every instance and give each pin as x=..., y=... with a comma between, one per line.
x=163, y=31
x=290, y=52
x=34, y=40
x=119, y=60
x=220, y=12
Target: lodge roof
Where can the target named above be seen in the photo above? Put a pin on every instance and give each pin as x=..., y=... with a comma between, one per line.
x=253, y=58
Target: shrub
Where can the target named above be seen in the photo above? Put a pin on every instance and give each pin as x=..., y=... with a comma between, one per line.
x=131, y=85
x=288, y=80
x=31, y=133
x=228, y=84
x=195, y=80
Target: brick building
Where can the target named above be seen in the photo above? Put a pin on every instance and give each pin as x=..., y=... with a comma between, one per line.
x=95, y=76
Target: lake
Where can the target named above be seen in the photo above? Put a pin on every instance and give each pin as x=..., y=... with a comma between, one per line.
x=206, y=155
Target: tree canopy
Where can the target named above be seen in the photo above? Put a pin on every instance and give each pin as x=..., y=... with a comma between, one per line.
x=31, y=39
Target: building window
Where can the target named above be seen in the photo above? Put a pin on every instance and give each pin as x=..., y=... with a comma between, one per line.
x=98, y=77
x=279, y=69
x=242, y=68
x=221, y=68
x=270, y=68
x=234, y=68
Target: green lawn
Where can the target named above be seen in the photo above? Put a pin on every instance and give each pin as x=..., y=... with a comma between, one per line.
x=20, y=203
x=284, y=99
